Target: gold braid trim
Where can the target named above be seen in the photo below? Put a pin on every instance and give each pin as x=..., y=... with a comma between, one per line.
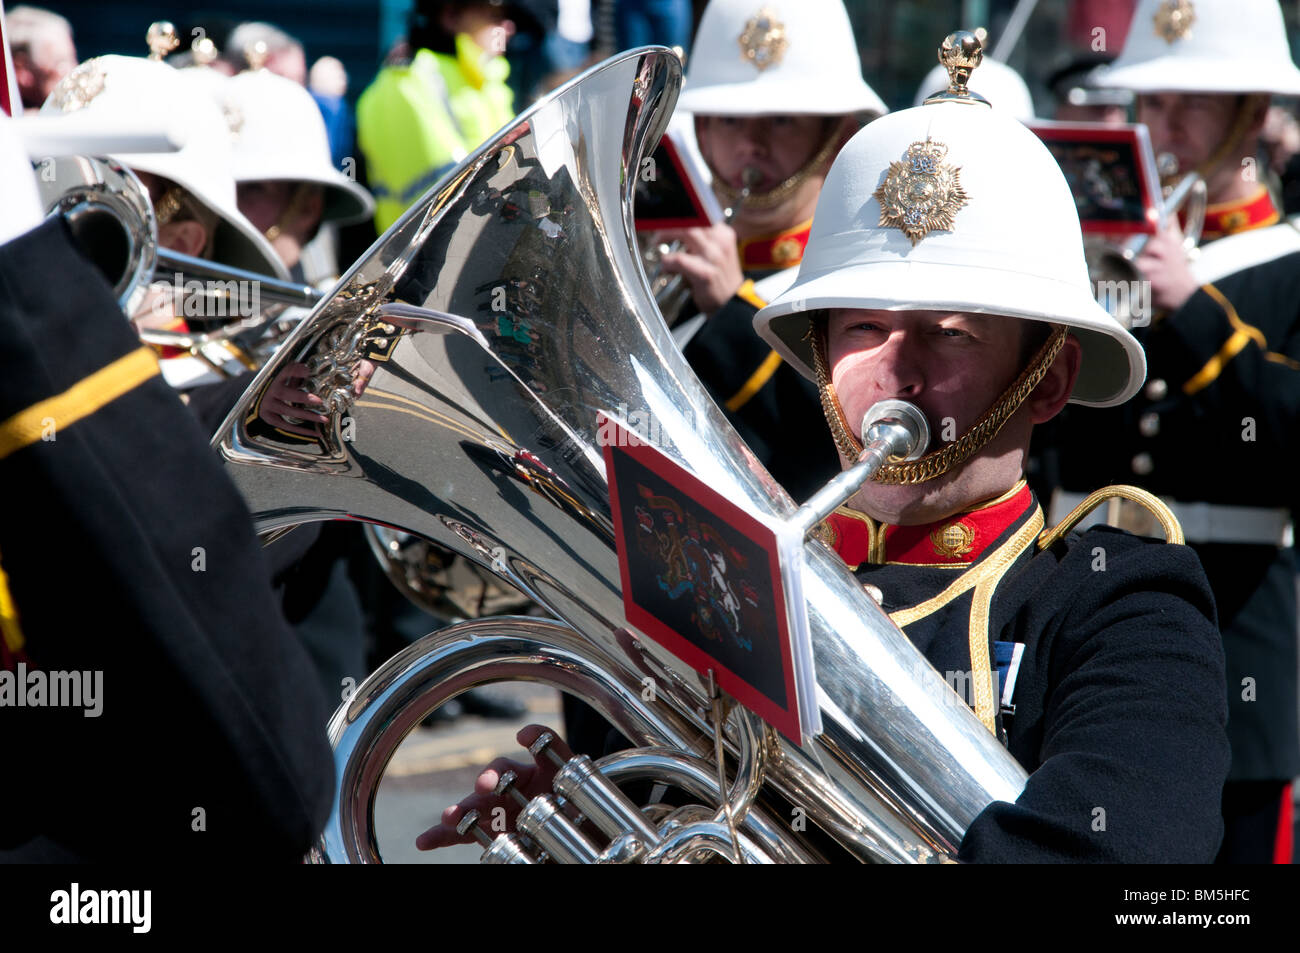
x=937, y=462
x=782, y=191
x=1163, y=514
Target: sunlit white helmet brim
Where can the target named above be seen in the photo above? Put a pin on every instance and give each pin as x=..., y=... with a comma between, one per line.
x=278, y=134
x=1205, y=46
x=776, y=57
x=1014, y=247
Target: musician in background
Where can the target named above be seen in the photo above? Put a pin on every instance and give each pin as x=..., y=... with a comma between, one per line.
x=286, y=183
x=776, y=89
x=192, y=190
x=1213, y=431
x=1093, y=656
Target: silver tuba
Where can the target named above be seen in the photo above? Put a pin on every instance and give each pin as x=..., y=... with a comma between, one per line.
x=464, y=360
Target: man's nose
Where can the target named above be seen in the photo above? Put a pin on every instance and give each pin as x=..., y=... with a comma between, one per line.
x=900, y=371
x=755, y=136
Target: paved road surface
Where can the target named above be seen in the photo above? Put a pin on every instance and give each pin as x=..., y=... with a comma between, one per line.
x=435, y=767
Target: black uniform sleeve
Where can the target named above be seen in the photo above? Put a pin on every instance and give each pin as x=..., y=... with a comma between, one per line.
x=726, y=350
x=129, y=553
x=1120, y=714
x=1233, y=349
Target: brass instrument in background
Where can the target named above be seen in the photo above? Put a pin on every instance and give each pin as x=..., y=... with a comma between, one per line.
x=111, y=216
x=1111, y=265
x=671, y=292
x=492, y=331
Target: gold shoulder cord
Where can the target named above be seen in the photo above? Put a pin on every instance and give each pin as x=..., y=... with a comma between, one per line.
x=937, y=462
x=1168, y=522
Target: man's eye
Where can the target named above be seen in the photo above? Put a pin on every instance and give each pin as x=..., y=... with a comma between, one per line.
x=953, y=333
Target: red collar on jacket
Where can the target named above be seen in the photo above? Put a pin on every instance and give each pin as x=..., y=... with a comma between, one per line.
x=775, y=252
x=1240, y=215
x=956, y=541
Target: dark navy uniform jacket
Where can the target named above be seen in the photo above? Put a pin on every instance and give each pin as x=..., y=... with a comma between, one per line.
x=1217, y=423
x=773, y=407
x=128, y=551
x=1106, y=650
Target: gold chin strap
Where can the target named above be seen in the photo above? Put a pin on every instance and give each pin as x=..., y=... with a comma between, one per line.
x=937, y=462
x=291, y=211
x=169, y=205
x=782, y=191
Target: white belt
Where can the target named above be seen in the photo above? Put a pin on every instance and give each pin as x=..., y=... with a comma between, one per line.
x=1201, y=522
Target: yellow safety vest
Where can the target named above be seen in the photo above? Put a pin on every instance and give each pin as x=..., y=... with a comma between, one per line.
x=417, y=120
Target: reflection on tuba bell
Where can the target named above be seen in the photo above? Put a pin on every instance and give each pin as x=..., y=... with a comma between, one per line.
x=463, y=362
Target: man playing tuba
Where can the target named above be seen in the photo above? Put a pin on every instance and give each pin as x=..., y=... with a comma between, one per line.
x=945, y=267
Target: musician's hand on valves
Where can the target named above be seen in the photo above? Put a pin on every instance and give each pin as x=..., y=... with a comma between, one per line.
x=1163, y=262
x=497, y=812
x=288, y=406
x=708, y=261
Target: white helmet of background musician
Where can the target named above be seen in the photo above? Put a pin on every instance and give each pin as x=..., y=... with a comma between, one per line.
x=1205, y=46
x=776, y=57
x=21, y=209
x=997, y=82
x=277, y=133
x=953, y=206
x=124, y=88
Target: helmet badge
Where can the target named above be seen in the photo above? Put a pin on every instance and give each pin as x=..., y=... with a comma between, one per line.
x=1174, y=20
x=763, y=41
x=79, y=87
x=922, y=192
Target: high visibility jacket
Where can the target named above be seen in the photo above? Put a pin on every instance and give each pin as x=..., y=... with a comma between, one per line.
x=417, y=120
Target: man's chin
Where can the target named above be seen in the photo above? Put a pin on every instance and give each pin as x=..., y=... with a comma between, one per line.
x=908, y=505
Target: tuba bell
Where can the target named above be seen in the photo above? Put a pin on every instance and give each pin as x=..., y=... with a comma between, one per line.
x=463, y=361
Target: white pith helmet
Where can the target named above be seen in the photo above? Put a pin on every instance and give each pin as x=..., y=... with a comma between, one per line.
x=277, y=133
x=1205, y=46
x=776, y=57
x=997, y=82
x=994, y=231
x=21, y=209
x=122, y=88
